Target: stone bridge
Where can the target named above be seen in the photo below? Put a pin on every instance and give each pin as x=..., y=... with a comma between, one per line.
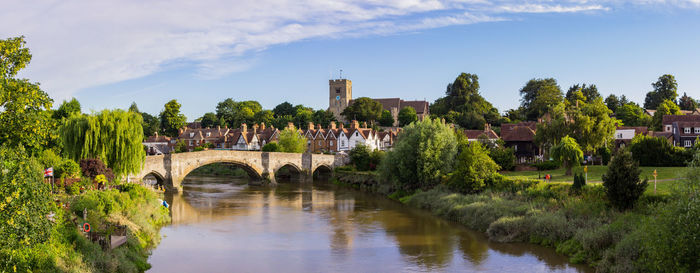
x=171, y=169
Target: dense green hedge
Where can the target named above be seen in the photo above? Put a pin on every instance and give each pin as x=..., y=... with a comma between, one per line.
x=657, y=151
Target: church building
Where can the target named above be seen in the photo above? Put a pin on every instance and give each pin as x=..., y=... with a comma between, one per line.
x=340, y=97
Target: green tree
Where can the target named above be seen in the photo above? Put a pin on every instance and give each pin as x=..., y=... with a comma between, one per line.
x=622, y=184
x=464, y=105
x=282, y=121
x=291, y=141
x=66, y=109
x=209, y=120
x=568, y=152
x=181, y=147
x=264, y=116
x=360, y=157
x=284, y=109
x=592, y=125
x=386, y=120
x=150, y=124
x=323, y=117
x=539, y=96
x=657, y=151
x=25, y=201
x=504, y=157
x=271, y=147
x=407, y=115
x=171, y=120
x=665, y=88
x=589, y=92
x=25, y=118
x=303, y=116
x=473, y=167
x=667, y=107
x=363, y=109
x=422, y=154
x=632, y=115
x=687, y=103
x=114, y=137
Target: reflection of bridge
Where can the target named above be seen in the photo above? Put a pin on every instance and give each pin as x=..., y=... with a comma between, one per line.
x=172, y=168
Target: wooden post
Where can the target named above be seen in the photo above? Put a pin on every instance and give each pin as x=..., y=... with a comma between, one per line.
x=655, y=174
x=585, y=170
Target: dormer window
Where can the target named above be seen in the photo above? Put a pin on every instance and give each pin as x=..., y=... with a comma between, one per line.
x=686, y=130
x=208, y=133
x=697, y=130
x=191, y=134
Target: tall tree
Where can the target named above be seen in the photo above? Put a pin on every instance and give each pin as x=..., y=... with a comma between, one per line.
x=25, y=118
x=539, y=96
x=171, y=120
x=66, y=109
x=592, y=125
x=266, y=116
x=114, y=137
x=284, y=109
x=209, y=120
x=666, y=107
x=665, y=88
x=473, y=168
x=589, y=92
x=386, y=119
x=464, y=105
x=407, y=115
x=363, y=109
x=622, y=184
x=291, y=141
x=303, y=116
x=323, y=117
x=568, y=152
x=632, y=115
x=687, y=103
x=150, y=124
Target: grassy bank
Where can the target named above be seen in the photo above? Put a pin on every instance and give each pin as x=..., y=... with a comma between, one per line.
x=68, y=250
x=596, y=172
x=219, y=169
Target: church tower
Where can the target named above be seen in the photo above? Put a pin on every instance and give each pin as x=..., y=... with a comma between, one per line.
x=339, y=96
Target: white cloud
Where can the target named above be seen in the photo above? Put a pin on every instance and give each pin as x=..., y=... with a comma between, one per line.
x=79, y=43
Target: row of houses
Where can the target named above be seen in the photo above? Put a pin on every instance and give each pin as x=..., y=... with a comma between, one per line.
x=333, y=139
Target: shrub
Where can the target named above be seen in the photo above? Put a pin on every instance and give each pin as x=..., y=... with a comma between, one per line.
x=198, y=148
x=271, y=147
x=550, y=229
x=547, y=165
x=657, y=151
x=509, y=229
x=93, y=167
x=181, y=146
x=605, y=154
x=376, y=158
x=207, y=145
x=68, y=169
x=473, y=167
x=579, y=182
x=622, y=184
x=360, y=157
x=568, y=152
x=504, y=157
x=290, y=141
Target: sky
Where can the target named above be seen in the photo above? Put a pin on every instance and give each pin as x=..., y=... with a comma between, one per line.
x=108, y=54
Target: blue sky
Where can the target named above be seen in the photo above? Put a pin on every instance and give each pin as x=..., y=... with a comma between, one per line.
x=110, y=54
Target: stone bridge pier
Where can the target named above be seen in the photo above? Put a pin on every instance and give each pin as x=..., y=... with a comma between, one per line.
x=171, y=169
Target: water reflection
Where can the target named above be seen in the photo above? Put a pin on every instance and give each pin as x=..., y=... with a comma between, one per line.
x=223, y=225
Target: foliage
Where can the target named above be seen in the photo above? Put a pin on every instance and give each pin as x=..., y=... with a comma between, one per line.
x=67, y=109
x=282, y=121
x=209, y=120
x=181, y=146
x=92, y=167
x=657, y=151
x=592, y=125
x=68, y=169
x=150, y=123
x=539, y=96
x=25, y=118
x=24, y=203
x=115, y=137
x=375, y=159
x=360, y=157
x=504, y=157
x=386, y=120
x=605, y=154
x=632, y=115
x=363, y=109
x=423, y=153
x=284, y=109
x=687, y=103
x=666, y=107
x=464, y=105
x=613, y=102
x=473, y=167
x=291, y=141
x=665, y=88
x=264, y=116
x=171, y=120
x=271, y=147
x=588, y=93
x=323, y=117
x=235, y=113
x=547, y=165
x=407, y=115
x=303, y=116
x=579, y=182
x=622, y=184
x=568, y=152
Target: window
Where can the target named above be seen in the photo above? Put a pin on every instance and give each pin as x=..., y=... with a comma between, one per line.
x=190, y=142
x=342, y=143
x=208, y=133
x=337, y=90
x=686, y=130
x=697, y=130
x=191, y=134
x=687, y=143
x=331, y=142
x=320, y=142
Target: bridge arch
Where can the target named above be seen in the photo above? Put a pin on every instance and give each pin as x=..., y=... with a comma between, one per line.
x=252, y=171
x=160, y=179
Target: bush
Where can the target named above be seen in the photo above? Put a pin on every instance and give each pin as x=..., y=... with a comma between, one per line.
x=181, y=147
x=207, y=145
x=547, y=165
x=68, y=169
x=473, y=168
x=579, y=182
x=360, y=157
x=271, y=147
x=376, y=158
x=93, y=167
x=658, y=151
x=509, y=229
x=198, y=148
x=622, y=184
x=605, y=154
x=504, y=157
x=290, y=141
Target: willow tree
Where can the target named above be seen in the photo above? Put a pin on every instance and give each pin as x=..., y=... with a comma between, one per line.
x=113, y=136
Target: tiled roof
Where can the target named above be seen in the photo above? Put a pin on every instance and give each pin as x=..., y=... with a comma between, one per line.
x=474, y=134
x=524, y=131
x=668, y=119
x=157, y=138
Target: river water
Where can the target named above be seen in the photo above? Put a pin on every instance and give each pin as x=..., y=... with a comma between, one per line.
x=224, y=225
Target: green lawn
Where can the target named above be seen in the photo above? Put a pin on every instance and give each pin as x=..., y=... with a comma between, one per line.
x=595, y=173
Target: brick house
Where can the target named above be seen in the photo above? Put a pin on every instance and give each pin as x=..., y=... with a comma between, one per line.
x=521, y=137
x=685, y=129
x=157, y=145
x=625, y=134
x=473, y=135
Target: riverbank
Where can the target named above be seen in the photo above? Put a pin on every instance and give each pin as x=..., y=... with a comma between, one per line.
x=579, y=224
x=69, y=249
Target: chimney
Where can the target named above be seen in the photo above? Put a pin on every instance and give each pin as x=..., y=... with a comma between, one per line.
x=262, y=126
x=354, y=124
x=331, y=125
x=255, y=128
x=218, y=127
x=487, y=127
x=244, y=128
x=290, y=125
x=156, y=134
x=310, y=126
x=318, y=126
x=364, y=124
x=181, y=131
x=342, y=125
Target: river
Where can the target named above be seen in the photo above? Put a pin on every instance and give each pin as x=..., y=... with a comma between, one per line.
x=224, y=225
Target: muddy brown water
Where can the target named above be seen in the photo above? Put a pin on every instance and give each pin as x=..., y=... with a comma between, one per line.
x=224, y=225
